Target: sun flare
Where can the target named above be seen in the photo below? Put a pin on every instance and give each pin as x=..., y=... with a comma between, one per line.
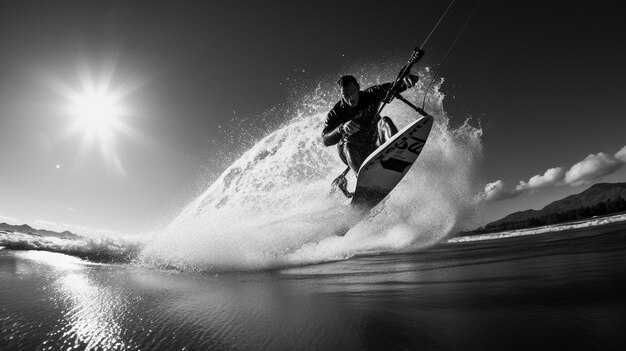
x=96, y=112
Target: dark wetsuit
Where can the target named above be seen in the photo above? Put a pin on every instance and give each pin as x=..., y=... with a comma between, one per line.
x=354, y=149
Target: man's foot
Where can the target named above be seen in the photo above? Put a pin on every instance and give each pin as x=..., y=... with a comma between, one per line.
x=341, y=183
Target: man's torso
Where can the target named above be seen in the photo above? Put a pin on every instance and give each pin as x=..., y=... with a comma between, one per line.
x=364, y=114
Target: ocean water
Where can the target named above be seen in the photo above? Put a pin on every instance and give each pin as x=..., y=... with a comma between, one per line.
x=559, y=290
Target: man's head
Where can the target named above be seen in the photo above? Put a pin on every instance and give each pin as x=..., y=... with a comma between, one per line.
x=349, y=90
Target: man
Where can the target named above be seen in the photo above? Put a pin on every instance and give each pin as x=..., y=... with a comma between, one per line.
x=354, y=125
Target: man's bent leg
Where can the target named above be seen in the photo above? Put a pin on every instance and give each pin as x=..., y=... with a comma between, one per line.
x=354, y=154
x=386, y=129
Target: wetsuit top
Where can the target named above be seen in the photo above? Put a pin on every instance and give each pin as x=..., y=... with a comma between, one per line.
x=364, y=114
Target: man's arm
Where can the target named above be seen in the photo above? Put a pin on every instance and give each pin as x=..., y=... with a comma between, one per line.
x=332, y=132
x=380, y=91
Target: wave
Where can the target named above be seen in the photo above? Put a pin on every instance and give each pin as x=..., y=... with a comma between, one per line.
x=271, y=207
x=105, y=249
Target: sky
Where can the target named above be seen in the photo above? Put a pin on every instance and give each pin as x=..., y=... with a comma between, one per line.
x=544, y=80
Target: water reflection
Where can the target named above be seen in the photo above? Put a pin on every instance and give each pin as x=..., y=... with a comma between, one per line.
x=90, y=311
x=55, y=260
x=125, y=307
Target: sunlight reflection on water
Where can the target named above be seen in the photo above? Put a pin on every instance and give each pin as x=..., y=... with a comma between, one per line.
x=55, y=260
x=90, y=311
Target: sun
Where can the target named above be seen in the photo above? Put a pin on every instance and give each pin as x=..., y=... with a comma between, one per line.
x=97, y=105
x=99, y=115
x=96, y=112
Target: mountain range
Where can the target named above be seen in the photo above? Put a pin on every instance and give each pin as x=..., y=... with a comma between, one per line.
x=26, y=229
x=599, y=199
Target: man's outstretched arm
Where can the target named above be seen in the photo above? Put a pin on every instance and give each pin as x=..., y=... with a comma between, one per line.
x=380, y=91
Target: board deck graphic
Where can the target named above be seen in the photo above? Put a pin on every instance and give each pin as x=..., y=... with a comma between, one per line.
x=387, y=165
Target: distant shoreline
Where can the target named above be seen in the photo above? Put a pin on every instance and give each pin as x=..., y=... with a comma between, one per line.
x=581, y=224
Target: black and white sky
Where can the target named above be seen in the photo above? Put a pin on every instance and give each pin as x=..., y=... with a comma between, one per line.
x=545, y=80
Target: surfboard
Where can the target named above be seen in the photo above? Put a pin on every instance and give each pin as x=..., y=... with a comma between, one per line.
x=384, y=168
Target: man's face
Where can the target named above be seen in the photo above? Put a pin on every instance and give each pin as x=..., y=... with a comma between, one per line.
x=350, y=94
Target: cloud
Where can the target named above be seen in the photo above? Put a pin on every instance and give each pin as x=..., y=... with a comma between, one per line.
x=497, y=190
x=586, y=171
x=592, y=168
x=551, y=177
x=621, y=154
